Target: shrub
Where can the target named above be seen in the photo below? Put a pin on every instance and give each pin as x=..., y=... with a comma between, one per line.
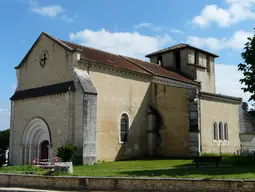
x=209, y=154
x=67, y=152
x=2, y=157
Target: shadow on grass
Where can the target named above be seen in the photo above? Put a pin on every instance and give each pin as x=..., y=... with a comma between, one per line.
x=221, y=172
x=236, y=167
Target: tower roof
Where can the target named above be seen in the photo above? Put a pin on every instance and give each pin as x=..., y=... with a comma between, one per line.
x=180, y=46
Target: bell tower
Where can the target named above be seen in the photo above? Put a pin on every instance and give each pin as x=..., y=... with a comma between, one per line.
x=189, y=61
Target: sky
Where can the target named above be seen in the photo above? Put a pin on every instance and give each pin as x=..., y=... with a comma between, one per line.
x=132, y=28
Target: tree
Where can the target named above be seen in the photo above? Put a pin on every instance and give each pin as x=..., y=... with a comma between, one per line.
x=248, y=67
x=4, y=139
x=4, y=143
x=245, y=106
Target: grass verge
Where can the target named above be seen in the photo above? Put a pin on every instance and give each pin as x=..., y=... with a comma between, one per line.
x=231, y=167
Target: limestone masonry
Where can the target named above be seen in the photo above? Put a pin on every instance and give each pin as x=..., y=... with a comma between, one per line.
x=115, y=107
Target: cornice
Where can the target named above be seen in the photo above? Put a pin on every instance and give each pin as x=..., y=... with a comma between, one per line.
x=105, y=67
x=174, y=83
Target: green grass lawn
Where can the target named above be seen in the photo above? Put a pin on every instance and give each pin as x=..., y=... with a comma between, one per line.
x=23, y=169
x=229, y=169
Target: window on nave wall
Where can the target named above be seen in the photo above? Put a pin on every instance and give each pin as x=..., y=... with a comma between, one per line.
x=124, y=124
x=220, y=131
x=215, y=131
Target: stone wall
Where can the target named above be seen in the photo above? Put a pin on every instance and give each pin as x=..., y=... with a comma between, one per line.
x=58, y=68
x=247, y=121
x=53, y=109
x=203, y=75
x=173, y=105
x=206, y=78
x=130, y=184
x=219, y=111
x=247, y=130
x=185, y=68
x=119, y=93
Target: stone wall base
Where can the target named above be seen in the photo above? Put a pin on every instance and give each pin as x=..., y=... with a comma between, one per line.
x=130, y=184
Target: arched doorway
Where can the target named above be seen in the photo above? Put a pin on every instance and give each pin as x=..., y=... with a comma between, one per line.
x=36, y=141
x=44, y=150
x=155, y=122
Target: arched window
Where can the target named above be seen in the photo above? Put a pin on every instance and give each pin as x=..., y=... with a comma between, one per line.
x=221, y=131
x=225, y=131
x=215, y=131
x=124, y=124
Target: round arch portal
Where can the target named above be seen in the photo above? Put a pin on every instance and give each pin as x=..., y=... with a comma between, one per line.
x=35, y=139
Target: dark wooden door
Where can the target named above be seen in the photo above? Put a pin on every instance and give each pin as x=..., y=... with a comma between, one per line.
x=44, y=150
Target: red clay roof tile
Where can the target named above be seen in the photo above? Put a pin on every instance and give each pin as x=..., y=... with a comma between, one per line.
x=127, y=63
x=105, y=57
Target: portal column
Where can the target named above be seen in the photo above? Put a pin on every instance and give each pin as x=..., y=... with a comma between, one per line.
x=21, y=155
x=30, y=154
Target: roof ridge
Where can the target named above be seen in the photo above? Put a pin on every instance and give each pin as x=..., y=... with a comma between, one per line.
x=143, y=61
x=92, y=48
x=128, y=59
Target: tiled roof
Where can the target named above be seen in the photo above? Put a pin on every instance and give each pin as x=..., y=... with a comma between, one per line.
x=127, y=63
x=114, y=60
x=105, y=57
x=180, y=46
x=159, y=71
x=43, y=91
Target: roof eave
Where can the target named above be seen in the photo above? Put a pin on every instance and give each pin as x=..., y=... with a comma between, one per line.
x=237, y=100
x=191, y=83
x=115, y=67
x=187, y=46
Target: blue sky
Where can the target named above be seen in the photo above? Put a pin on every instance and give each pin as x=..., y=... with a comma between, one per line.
x=132, y=27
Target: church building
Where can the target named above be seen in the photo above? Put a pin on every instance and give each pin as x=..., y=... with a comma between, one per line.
x=114, y=107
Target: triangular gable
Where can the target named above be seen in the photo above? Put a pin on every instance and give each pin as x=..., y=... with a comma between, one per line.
x=35, y=43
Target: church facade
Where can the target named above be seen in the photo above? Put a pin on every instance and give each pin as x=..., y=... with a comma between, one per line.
x=114, y=107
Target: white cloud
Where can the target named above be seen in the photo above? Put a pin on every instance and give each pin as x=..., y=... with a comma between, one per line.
x=68, y=18
x=175, y=31
x=149, y=26
x=236, y=11
x=50, y=11
x=239, y=38
x=235, y=42
x=141, y=25
x=229, y=84
x=125, y=43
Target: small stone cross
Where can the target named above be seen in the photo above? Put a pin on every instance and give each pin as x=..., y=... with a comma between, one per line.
x=43, y=60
